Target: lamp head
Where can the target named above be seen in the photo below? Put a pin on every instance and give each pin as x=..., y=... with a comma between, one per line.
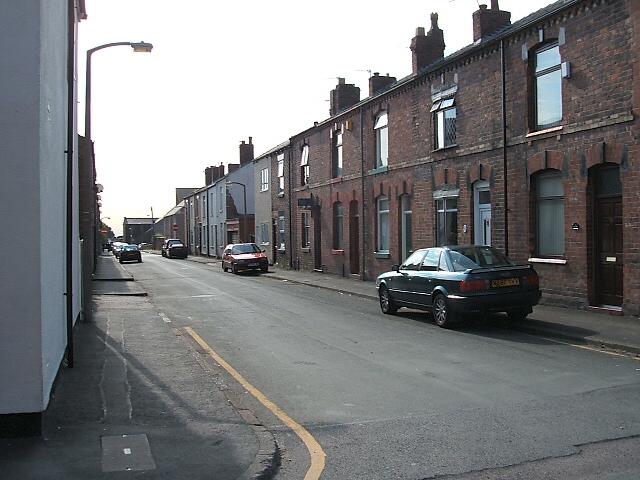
x=142, y=47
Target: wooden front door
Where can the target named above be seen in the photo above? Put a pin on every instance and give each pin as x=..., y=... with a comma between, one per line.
x=317, y=240
x=608, y=237
x=354, y=238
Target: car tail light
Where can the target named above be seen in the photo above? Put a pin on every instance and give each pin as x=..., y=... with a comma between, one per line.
x=531, y=280
x=469, y=286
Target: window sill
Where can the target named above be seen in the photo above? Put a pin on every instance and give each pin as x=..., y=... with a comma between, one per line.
x=305, y=250
x=280, y=194
x=553, y=261
x=454, y=145
x=337, y=251
x=377, y=170
x=265, y=244
x=382, y=254
x=538, y=133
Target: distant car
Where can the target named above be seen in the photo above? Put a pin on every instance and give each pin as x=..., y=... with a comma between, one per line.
x=130, y=253
x=244, y=256
x=116, y=247
x=456, y=281
x=174, y=248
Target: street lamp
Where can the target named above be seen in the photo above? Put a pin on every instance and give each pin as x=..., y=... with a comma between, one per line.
x=244, y=198
x=137, y=47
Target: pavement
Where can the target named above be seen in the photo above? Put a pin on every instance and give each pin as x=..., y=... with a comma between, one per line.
x=143, y=402
x=597, y=330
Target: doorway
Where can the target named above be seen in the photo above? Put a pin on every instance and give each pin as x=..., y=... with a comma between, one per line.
x=354, y=238
x=607, y=209
x=317, y=239
x=482, y=213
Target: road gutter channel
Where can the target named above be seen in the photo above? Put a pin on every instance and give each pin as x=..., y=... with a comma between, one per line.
x=317, y=455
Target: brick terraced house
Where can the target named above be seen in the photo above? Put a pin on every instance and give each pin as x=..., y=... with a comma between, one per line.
x=526, y=139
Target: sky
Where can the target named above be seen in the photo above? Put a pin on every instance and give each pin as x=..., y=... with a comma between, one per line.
x=221, y=72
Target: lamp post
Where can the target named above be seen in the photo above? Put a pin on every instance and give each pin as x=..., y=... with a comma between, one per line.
x=137, y=47
x=244, y=198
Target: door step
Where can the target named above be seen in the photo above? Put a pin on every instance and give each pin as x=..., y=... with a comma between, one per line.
x=606, y=309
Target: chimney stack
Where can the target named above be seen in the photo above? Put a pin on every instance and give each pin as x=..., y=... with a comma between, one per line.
x=378, y=83
x=488, y=21
x=246, y=152
x=345, y=95
x=232, y=167
x=429, y=48
x=208, y=177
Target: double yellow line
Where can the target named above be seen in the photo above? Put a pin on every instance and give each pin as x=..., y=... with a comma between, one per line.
x=315, y=450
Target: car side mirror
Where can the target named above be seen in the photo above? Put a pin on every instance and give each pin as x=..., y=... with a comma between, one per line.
x=395, y=268
x=262, y=250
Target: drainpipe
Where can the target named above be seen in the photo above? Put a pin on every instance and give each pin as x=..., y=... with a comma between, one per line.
x=362, y=217
x=290, y=215
x=504, y=150
x=69, y=190
x=208, y=197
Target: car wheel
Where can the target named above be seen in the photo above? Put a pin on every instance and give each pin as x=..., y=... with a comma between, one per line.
x=120, y=260
x=264, y=269
x=139, y=260
x=162, y=253
x=224, y=269
x=234, y=269
x=443, y=316
x=387, y=304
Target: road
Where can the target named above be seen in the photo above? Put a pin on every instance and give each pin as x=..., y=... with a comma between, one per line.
x=397, y=397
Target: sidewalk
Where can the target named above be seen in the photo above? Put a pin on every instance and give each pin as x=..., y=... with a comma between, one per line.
x=138, y=402
x=578, y=326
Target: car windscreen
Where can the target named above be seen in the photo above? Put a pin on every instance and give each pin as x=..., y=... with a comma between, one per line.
x=130, y=248
x=464, y=258
x=243, y=249
x=171, y=243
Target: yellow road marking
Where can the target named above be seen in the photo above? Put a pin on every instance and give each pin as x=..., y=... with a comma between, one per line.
x=315, y=450
x=594, y=349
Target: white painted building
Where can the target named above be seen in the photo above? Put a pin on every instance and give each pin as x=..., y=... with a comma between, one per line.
x=40, y=281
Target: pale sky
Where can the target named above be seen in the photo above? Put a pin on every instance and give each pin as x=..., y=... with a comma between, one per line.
x=221, y=72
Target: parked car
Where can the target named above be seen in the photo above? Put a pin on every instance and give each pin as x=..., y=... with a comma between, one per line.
x=244, y=256
x=116, y=247
x=174, y=248
x=458, y=281
x=130, y=253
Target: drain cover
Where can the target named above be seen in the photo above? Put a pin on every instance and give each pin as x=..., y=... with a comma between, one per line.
x=126, y=453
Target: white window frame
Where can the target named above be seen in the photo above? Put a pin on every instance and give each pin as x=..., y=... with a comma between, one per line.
x=304, y=165
x=555, y=70
x=281, y=173
x=382, y=216
x=336, y=162
x=264, y=179
x=542, y=238
x=381, y=128
x=306, y=230
x=440, y=109
x=281, y=231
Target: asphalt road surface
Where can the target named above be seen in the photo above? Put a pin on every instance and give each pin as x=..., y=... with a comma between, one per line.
x=393, y=397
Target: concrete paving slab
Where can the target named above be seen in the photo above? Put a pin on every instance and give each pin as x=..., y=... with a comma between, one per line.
x=109, y=269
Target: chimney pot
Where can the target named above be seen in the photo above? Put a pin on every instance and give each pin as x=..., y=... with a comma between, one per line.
x=494, y=5
x=483, y=6
x=420, y=32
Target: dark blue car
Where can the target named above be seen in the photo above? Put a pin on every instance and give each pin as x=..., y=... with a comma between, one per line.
x=458, y=281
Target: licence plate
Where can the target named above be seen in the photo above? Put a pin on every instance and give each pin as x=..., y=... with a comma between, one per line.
x=253, y=264
x=505, y=282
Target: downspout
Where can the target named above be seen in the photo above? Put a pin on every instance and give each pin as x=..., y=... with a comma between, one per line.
x=362, y=217
x=290, y=215
x=209, y=219
x=504, y=149
x=69, y=190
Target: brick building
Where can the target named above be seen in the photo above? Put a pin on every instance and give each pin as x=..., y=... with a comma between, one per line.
x=526, y=139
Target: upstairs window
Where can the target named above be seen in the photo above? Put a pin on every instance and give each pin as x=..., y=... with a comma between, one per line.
x=444, y=122
x=281, y=174
x=264, y=179
x=381, y=129
x=547, y=87
x=336, y=156
x=338, y=226
x=304, y=166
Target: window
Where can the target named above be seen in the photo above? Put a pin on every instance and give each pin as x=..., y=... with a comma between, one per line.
x=336, y=158
x=281, y=243
x=550, y=214
x=264, y=179
x=447, y=221
x=383, y=225
x=548, y=87
x=306, y=229
x=382, y=140
x=304, y=166
x=281, y=174
x=220, y=198
x=338, y=226
x=431, y=260
x=414, y=261
x=406, y=239
x=444, y=121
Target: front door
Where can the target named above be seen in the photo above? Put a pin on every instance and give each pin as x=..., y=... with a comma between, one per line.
x=354, y=238
x=482, y=222
x=317, y=240
x=608, y=236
